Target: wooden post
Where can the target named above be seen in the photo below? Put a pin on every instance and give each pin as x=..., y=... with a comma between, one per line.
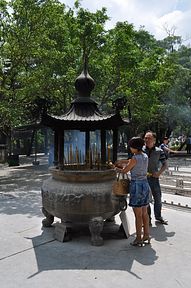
x=45, y=132
x=115, y=144
x=87, y=146
x=103, y=146
x=60, y=149
x=55, y=148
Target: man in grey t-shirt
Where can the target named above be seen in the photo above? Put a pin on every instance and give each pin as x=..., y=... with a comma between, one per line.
x=156, y=166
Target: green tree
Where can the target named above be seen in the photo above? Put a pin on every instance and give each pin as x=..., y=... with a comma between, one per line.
x=44, y=44
x=132, y=64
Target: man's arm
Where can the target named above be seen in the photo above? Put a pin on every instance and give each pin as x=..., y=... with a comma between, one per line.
x=169, y=150
x=161, y=170
x=164, y=164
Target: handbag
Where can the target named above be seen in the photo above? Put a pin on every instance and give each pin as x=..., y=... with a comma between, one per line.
x=121, y=186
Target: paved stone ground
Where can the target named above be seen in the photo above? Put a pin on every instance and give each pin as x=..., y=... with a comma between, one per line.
x=30, y=257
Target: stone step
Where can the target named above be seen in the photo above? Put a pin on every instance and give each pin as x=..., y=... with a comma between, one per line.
x=178, y=170
x=184, y=191
x=178, y=182
x=177, y=175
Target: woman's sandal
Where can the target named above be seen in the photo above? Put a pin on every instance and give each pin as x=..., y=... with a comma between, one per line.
x=146, y=240
x=137, y=243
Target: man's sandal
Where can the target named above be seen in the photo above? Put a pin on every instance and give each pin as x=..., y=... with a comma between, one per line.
x=162, y=221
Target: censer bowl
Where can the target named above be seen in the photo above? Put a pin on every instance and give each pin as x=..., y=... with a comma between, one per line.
x=77, y=196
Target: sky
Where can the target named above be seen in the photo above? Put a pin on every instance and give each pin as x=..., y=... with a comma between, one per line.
x=157, y=16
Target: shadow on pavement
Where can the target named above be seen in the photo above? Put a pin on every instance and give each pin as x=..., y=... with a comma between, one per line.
x=160, y=234
x=20, y=190
x=78, y=254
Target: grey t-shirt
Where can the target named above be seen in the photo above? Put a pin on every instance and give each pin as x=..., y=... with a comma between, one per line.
x=139, y=171
x=156, y=157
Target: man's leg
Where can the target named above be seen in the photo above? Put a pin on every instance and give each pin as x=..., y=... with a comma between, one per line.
x=156, y=193
x=157, y=196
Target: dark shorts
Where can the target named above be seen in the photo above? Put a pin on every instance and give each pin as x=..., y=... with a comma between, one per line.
x=139, y=193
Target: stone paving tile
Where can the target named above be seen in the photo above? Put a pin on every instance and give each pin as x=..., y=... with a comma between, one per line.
x=30, y=257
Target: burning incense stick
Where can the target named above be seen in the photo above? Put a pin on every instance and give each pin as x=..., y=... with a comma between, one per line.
x=98, y=161
x=71, y=154
x=108, y=153
x=90, y=158
x=77, y=156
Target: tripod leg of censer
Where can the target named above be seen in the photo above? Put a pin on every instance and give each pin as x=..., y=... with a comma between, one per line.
x=96, y=227
x=47, y=222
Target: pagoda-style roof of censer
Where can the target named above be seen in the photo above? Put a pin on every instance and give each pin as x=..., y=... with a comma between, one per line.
x=84, y=114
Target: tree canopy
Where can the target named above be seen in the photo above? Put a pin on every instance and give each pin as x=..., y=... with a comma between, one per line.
x=42, y=48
